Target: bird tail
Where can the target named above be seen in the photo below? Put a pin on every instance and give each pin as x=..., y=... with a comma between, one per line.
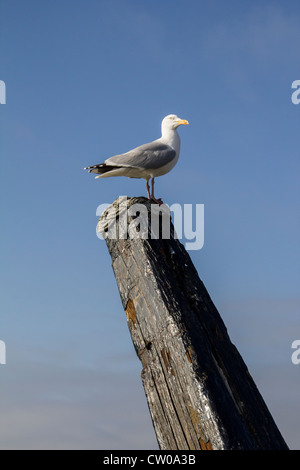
x=100, y=169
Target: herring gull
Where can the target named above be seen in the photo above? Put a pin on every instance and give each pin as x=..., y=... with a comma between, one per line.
x=146, y=161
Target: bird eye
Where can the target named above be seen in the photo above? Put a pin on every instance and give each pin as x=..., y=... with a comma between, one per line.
x=171, y=117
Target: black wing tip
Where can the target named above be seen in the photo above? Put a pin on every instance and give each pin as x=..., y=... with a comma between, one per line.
x=88, y=168
x=100, y=169
x=93, y=167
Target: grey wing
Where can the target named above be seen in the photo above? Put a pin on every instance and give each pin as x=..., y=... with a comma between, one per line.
x=148, y=156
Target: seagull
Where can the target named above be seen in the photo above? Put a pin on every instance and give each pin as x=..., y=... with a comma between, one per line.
x=148, y=160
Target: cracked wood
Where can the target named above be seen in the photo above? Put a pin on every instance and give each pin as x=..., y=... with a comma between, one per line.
x=200, y=393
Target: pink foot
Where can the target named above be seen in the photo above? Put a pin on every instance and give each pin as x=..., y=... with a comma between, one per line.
x=158, y=201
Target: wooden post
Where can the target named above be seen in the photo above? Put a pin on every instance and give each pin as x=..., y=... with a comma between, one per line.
x=199, y=391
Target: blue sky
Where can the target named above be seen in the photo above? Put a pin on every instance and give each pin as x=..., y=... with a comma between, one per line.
x=89, y=79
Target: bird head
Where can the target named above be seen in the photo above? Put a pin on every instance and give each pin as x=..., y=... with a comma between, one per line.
x=172, y=122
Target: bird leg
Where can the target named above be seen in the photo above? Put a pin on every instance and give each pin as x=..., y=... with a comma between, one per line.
x=158, y=201
x=148, y=189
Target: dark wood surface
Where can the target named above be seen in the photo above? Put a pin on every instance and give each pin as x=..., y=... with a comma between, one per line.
x=199, y=391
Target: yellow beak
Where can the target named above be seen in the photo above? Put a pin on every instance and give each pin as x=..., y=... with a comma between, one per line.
x=182, y=121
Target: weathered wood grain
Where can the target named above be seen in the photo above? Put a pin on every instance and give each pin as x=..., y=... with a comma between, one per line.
x=199, y=391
